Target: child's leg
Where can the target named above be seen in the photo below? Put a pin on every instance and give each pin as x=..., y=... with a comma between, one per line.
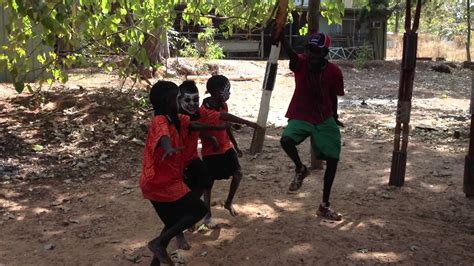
x=207, y=200
x=324, y=210
x=182, y=243
x=289, y=146
x=182, y=214
x=329, y=176
x=234, y=186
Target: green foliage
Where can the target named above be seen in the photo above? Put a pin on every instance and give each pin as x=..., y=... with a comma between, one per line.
x=207, y=49
x=446, y=18
x=211, y=50
x=86, y=31
x=214, y=51
x=333, y=11
x=363, y=55
x=189, y=50
x=303, y=30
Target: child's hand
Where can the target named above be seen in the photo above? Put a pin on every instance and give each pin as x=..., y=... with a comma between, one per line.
x=215, y=144
x=239, y=152
x=171, y=152
x=339, y=123
x=254, y=125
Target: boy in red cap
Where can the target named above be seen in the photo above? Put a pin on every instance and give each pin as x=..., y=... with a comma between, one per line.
x=313, y=113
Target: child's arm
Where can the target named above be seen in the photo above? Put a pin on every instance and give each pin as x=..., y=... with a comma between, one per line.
x=198, y=126
x=165, y=142
x=234, y=142
x=211, y=139
x=235, y=119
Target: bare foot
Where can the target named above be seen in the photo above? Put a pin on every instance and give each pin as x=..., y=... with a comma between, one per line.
x=209, y=222
x=182, y=243
x=160, y=252
x=231, y=209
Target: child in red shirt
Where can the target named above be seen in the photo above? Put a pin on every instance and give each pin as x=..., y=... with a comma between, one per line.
x=196, y=176
x=161, y=181
x=221, y=159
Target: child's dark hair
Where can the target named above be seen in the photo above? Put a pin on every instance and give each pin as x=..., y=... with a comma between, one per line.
x=188, y=86
x=217, y=83
x=159, y=93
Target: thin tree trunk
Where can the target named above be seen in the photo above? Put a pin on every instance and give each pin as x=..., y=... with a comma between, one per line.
x=157, y=50
x=313, y=15
x=397, y=16
x=313, y=26
x=468, y=41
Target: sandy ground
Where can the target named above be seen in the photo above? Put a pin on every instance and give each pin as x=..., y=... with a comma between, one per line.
x=75, y=200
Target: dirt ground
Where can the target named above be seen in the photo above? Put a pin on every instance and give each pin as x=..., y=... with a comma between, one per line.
x=70, y=162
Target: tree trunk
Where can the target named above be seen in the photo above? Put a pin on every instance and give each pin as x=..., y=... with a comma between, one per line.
x=397, y=17
x=157, y=50
x=313, y=26
x=313, y=15
x=468, y=41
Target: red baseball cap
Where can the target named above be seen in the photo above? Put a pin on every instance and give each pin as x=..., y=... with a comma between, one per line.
x=320, y=40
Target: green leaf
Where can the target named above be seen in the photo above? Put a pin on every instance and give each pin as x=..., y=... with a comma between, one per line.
x=105, y=6
x=37, y=147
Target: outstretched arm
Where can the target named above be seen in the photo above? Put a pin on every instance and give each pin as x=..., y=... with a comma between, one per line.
x=198, y=126
x=235, y=119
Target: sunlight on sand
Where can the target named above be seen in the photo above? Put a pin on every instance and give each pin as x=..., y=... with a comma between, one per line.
x=11, y=205
x=385, y=257
x=433, y=188
x=258, y=210
x=302, y=249
x=288, y=205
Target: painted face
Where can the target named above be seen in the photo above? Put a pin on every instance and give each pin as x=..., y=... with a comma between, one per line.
x=225, y=93
x=189, y=102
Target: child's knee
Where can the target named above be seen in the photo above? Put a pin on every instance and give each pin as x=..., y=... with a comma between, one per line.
x=237, y=175
x=286, y=141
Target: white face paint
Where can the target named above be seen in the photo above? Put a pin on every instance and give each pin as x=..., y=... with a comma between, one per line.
x=189, y=102
x=225, y=93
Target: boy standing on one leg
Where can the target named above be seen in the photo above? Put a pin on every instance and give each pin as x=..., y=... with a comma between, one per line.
x=313, y=113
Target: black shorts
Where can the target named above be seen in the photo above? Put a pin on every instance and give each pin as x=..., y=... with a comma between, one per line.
x=172, y=212
x=196, y=175
x=222, y=166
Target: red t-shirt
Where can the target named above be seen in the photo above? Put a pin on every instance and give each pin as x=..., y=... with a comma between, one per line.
x=311, y=100
x=211, y=115
x=190, y=139
x=162, y=180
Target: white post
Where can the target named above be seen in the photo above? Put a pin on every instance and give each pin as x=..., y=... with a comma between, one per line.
x=268, y=85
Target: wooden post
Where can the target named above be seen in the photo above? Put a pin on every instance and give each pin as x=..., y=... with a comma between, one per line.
x=269, y=81
x=468, y=184
x=268, y=84
x=407, y=75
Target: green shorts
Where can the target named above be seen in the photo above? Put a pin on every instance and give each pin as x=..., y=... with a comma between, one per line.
x=326, y=136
